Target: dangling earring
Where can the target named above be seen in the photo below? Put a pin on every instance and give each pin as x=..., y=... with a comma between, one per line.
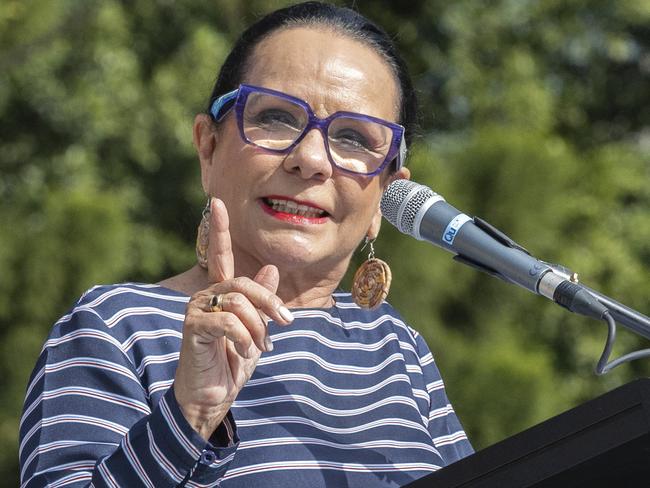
x=203, y=238
x=371, y=282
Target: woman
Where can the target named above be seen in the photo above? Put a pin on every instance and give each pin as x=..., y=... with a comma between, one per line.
x=208, y=378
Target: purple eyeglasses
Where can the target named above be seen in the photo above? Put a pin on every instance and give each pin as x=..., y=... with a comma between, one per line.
x=277, y=122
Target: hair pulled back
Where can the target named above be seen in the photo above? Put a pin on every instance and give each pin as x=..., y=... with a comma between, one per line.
x=341, y=20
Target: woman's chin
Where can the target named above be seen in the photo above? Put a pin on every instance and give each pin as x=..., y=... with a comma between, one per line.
x=299, y=252
x=294, y=255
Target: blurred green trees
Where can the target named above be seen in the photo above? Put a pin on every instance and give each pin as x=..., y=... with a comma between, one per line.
x=535, y=116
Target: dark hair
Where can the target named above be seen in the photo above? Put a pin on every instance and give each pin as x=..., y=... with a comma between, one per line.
x=342, y=20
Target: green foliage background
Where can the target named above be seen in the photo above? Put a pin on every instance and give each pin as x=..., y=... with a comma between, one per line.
x=535, y=116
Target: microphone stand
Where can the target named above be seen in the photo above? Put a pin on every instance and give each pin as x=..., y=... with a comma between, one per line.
x=626, y=316
x=591, y=304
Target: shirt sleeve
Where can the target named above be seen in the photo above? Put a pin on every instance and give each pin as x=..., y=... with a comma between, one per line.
x=446, y=431
x=88, y=421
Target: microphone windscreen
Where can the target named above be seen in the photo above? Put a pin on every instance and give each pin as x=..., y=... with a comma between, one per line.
x=401, y=203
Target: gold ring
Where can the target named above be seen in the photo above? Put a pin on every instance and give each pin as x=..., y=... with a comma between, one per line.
x=216, y=303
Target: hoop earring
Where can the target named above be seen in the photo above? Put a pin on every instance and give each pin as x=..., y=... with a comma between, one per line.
x=203, y=237
x=371, y=282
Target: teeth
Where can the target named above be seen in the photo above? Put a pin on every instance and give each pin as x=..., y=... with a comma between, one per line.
x=289, y=206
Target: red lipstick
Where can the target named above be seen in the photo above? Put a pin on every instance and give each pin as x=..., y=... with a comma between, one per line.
x=267, y=204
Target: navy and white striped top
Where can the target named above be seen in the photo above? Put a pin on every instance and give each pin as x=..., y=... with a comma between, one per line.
x=348, y=397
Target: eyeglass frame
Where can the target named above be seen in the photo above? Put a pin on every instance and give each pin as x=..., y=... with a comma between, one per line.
x=237, y=99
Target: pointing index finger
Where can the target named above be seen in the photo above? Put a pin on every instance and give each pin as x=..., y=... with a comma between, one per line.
x=221, y=263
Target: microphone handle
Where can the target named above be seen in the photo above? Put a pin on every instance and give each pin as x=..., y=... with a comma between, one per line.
x=447, y=227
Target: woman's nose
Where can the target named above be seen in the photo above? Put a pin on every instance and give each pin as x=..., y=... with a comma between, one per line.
x=309, y=158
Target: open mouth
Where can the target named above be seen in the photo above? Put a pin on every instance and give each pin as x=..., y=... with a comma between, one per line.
x=291, y=210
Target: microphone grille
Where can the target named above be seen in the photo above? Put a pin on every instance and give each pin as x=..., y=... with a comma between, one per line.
x=401, y=203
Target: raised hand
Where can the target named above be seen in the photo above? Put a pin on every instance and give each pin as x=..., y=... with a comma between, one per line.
x=220, y=349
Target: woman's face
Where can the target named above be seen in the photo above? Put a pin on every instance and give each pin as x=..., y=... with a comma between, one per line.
x=332, y=73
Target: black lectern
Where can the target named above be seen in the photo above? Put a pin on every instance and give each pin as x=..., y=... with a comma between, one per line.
x=603, y=442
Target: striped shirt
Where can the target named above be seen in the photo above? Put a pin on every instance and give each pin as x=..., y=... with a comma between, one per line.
x=348, y=397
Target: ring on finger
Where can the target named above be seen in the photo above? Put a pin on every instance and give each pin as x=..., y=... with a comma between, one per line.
x=216, y=303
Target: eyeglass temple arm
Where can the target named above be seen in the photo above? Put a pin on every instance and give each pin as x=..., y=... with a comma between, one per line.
x=218, y=108
x=401, y=155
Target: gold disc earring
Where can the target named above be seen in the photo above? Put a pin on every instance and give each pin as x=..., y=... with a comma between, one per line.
x=203, y=237
x=371, y=282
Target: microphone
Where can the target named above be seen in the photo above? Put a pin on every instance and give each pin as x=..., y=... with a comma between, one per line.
x=418, y=211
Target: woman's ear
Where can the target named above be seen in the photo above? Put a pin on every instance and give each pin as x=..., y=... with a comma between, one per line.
x=203, y=136
x=401, y=174
x=375, y=224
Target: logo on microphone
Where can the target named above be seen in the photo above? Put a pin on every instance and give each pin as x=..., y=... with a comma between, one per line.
x=453, y=227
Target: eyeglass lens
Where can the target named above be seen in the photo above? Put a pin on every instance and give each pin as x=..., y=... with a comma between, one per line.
x=275, y=123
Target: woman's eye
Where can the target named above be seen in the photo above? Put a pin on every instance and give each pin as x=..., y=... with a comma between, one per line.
x=351, y=139
x=272, y=118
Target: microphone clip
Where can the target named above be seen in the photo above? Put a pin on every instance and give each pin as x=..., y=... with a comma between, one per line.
x=497, y=234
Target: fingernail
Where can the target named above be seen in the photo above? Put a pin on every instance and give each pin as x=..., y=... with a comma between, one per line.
x=268, y=343
x=285, y=313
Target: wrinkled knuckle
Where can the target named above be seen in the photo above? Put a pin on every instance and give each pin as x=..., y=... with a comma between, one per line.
x=272, y=301
x=241, y=282
x=196, y=297
x=237, y=300
x=191, y=314
x=228, y=322
x=246, y=342
x=189, y=329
